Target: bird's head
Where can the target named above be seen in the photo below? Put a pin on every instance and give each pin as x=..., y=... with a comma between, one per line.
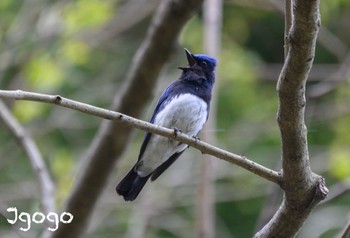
x=199, y=62
x=199, y=66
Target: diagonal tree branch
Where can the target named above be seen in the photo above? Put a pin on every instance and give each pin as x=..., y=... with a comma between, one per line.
x=204, y=147
x=46, y=185
x=303, y=189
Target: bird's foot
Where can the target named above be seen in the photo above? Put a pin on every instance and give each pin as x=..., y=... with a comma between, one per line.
x=196, y=138
x=177, y=131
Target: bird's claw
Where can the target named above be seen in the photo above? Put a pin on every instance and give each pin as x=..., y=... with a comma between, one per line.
x=177, y=131
x=196, y=138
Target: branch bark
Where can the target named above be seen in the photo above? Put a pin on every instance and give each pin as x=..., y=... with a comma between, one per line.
x=120, y=118
x=303, y=189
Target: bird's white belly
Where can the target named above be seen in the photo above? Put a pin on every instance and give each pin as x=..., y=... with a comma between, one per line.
x=185, y=112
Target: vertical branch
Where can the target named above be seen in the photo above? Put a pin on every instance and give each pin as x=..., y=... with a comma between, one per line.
x=291, y=93
x=206, y=195
x=46, y=185
x=303, y=189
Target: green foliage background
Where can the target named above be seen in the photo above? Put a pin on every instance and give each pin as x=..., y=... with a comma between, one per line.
x=81, y=50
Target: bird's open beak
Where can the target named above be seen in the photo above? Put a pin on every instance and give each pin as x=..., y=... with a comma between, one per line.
x=191, y=60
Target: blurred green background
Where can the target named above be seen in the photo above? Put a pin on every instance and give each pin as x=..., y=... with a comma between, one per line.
x=83, y=49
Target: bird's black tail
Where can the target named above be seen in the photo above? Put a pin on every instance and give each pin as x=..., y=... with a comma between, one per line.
x=131, y=185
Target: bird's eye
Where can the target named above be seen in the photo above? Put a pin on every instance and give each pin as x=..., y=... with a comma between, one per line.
x=204, y=64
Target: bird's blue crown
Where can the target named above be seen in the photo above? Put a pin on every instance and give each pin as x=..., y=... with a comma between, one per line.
x=206, y=58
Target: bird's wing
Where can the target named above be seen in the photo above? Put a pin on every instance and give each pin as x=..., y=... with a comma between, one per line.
x=163, y=100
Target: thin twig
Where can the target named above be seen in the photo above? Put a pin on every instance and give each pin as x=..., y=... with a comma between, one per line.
x=34, y=156
x=204, y=147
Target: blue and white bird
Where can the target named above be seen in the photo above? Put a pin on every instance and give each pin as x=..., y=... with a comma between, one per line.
x=183, y=106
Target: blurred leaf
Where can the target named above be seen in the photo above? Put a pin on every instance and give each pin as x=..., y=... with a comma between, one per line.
x=235, y=20
x=44, y=73
x=83, y=14
x=340, y=163
x=62, y=167
x=76, y=52
x=192, y=35
x=4, y=4
x=342, y=127
x=236, y=64
x=329, y=8
x=8, y=14
x=26, y=111
x=236, y=81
